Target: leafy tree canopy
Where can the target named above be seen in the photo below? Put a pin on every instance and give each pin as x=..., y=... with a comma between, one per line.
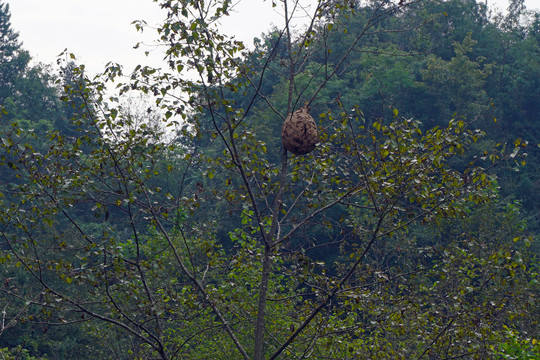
x=391, y=240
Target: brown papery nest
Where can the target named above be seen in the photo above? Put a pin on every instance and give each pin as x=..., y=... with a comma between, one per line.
x=299, y=133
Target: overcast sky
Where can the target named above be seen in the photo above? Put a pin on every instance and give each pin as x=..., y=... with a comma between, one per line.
x=100, y=31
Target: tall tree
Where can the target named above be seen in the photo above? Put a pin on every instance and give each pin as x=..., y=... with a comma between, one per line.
x=13, y=60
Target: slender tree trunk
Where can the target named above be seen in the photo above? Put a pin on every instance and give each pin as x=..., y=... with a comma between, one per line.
x=261, y=310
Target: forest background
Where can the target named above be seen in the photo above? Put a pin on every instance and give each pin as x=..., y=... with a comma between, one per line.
x=165, y=220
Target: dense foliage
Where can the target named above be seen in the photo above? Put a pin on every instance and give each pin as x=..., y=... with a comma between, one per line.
x=184, y=230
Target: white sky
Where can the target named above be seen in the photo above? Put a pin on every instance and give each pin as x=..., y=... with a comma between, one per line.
x=100, y=31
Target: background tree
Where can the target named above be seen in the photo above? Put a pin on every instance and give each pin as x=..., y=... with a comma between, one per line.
x=14, y=59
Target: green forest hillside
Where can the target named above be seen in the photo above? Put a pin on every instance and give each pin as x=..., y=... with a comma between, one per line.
x=366, y=186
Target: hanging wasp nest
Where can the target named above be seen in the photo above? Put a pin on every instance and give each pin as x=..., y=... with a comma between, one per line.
x=299, y=133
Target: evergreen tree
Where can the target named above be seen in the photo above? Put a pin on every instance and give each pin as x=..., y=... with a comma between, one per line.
x=13, y=59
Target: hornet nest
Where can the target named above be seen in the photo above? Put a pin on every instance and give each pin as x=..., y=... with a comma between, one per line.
x=299, y=133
